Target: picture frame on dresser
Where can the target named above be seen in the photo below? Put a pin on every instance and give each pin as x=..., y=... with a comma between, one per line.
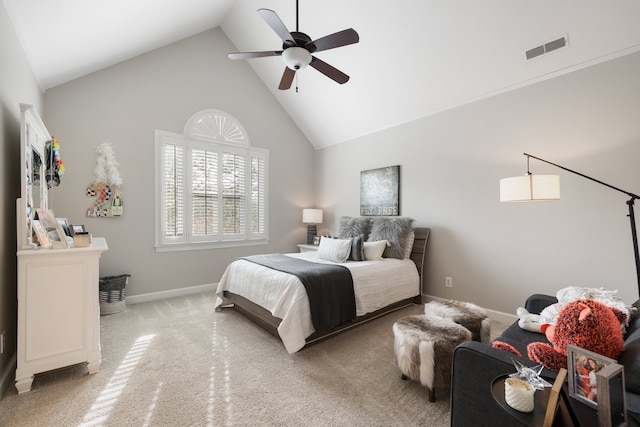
x=65, y=226
x=41, y=235
x=584, y=366
x=53, y=228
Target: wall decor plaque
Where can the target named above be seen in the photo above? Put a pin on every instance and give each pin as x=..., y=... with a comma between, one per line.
x=380, y=191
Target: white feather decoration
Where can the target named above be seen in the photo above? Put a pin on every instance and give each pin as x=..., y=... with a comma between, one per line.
x=107, y=166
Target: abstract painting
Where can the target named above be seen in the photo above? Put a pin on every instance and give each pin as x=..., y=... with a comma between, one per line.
x=380, y=192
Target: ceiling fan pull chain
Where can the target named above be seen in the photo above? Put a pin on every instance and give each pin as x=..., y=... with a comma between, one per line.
x=296, y=82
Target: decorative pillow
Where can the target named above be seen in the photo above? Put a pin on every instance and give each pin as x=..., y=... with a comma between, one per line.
x=336, y=250
x=352, y=227
x=374, y=250
x=408, y=246
x=393, y=229
x=357, y=248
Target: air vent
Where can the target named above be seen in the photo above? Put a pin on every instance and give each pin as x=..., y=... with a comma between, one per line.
x=547, y=47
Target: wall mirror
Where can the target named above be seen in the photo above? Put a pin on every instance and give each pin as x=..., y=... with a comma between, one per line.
x=33, y=192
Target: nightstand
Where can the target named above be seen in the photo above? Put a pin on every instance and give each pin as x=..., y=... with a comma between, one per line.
x=307, y=248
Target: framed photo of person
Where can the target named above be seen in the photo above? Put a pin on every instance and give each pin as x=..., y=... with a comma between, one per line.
x=584, y=366
x=41, y=235
x=53, y=229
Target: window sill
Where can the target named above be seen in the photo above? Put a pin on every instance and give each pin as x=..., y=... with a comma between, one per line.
x=203, y=246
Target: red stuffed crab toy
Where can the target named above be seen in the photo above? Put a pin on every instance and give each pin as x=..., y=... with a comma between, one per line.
x=584, y=323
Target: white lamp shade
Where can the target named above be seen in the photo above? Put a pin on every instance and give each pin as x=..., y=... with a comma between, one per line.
x=312, y=216
x=529, y=188
x=296, y=58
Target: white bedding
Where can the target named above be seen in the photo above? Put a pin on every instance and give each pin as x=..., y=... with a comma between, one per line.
x=376, y=285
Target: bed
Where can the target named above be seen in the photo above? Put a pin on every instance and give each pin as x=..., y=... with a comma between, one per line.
x=277, y=301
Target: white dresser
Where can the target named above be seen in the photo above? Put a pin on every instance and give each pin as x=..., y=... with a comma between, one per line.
x=58, y=310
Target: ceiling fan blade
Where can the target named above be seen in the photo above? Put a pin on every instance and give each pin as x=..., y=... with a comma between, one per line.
x=341, y=38
x=248, y=55
x=329, y=71
x=273, y=20
x=287, y=78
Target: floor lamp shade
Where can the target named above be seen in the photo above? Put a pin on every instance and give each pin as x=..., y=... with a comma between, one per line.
x=530, y=187
x=547, y=187
x=311, y=217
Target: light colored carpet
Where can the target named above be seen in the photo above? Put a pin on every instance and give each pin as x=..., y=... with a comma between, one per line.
x=176, y=362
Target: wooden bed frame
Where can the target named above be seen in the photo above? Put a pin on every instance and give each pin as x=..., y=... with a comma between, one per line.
x=263, y=318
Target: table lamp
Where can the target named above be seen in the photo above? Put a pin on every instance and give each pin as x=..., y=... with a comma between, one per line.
x=311, y=217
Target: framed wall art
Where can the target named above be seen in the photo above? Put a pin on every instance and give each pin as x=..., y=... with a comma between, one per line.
x=380, y=192
x=584, y=366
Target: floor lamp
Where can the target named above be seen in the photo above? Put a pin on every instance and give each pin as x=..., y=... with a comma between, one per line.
x=547, y=187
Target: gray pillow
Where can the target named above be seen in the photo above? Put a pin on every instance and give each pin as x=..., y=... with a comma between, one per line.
x=395, y=230
x=357, y=248
x=353, y=227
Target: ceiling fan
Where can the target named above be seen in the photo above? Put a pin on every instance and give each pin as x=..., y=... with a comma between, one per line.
x=297, y=48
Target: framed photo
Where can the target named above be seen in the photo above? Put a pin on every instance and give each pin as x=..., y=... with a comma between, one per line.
x=380, y=192
x=41, y=234
x=612, y=400
x=52, y=228
x=65, y=226
x=584, y=366
x=78, y=228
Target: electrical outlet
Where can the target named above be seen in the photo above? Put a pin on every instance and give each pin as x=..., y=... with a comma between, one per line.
x=2, y=341
x=448, y=282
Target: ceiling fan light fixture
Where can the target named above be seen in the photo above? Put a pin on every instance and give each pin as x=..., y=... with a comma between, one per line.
x=296, y=58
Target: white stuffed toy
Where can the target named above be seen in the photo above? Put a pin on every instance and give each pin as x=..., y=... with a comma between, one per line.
x=533, y=322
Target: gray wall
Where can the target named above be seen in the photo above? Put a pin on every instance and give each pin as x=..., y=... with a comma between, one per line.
x=17, y=84
x=123, y=104
x=451, y=164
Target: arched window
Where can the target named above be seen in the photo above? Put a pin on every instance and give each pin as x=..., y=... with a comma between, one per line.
x=211, y=186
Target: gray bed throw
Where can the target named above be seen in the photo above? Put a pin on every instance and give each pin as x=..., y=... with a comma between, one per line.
x=329, y=288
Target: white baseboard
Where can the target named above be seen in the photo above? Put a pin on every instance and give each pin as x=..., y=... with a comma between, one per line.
x=154, y=296
x=498, y=316
x=8, y=375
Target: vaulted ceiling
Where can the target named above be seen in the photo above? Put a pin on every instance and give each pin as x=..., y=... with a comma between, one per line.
x=414, y=58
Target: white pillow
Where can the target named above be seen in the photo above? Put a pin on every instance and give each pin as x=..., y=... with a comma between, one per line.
x=336, y=250
x=374, y=250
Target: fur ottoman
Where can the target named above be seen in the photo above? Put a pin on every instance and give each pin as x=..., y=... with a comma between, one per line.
x=471, y=316
x=423, y=349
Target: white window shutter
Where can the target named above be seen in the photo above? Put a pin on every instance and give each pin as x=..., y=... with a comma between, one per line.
x=172, y=175
x=211, y=186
